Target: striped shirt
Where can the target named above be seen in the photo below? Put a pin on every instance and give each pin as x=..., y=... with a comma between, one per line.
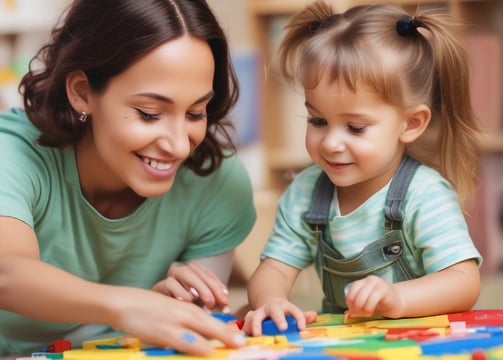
x=434, y=225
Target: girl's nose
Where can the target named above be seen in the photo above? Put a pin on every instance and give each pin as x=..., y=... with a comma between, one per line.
x=334, y=141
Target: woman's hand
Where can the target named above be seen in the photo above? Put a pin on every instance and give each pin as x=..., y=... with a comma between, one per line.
x=192, y=282
x=276, y=311
x=162, y=321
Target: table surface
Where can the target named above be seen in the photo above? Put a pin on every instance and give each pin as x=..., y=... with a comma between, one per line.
x=467, y=332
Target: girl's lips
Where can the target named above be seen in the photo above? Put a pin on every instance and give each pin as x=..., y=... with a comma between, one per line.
x=339, y=165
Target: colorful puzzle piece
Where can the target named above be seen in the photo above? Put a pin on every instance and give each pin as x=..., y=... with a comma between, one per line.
x=472, y=335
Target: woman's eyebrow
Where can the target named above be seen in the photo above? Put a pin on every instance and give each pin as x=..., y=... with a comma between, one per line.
x=168, y=100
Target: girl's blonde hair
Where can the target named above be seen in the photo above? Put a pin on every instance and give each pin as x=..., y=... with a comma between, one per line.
x=426, y=64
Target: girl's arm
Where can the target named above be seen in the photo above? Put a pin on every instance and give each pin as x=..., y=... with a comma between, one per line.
x=269, y=290
x=453, y=289
x=38, y=290
x=271, y=280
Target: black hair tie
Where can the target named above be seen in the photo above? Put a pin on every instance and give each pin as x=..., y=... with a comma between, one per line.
x=317, y=25
x=406, y=25
x=314, y=26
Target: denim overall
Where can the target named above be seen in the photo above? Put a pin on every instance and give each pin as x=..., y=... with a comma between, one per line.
x=383, y=256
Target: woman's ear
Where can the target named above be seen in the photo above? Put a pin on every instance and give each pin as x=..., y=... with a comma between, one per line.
x=417, y=122
x=77, y=91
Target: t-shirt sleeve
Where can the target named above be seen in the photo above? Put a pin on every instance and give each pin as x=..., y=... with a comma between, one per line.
x=437, y=224
x=291, y=241
x=19, y=187
x=224, y=213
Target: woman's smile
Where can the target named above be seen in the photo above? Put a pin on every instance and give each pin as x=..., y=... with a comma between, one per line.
x=157, y=164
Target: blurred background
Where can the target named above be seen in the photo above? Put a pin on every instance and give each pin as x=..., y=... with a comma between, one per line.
x=270, y=118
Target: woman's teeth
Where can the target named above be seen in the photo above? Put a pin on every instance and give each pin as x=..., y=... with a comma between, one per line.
x=157, y=164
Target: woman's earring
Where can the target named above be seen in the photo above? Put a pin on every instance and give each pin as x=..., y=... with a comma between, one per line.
x=83, y=117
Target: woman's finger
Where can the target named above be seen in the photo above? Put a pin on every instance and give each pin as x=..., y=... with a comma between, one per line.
x=173, y=288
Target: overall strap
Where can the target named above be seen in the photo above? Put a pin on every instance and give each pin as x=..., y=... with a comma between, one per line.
x=317, y=215
x=395, y=199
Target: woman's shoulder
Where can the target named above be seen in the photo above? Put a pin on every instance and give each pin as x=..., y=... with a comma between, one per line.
x=17, y=134
x=14, y=116
x=15, y=124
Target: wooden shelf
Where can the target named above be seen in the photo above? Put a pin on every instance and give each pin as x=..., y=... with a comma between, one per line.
x=286, y=160
x=26, y=17
x=491, y=143
x=17, y=24
x=286, y=7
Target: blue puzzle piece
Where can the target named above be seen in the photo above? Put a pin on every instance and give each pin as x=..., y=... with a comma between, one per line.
x=465, y=345
x=307, y=356
x=270, y=328
x=224, y=317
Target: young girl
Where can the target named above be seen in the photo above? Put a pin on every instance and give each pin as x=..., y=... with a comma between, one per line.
x=393, y=138
x=121, y=199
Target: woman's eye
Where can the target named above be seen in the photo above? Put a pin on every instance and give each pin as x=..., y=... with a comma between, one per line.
x=196, y=115
x=357, y=129
x=317, y=122
x=148, y=116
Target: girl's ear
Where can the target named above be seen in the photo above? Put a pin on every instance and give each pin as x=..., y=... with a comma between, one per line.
x=77, y=91
x=417, y=122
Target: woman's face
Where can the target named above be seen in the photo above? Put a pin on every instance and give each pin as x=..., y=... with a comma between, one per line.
x=149, y=119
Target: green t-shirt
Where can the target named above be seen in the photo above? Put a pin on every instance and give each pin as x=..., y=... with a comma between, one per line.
x=198, y=217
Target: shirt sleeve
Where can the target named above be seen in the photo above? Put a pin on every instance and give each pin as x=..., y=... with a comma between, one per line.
x=436, y=223
x=291, y=241
x=20, y=168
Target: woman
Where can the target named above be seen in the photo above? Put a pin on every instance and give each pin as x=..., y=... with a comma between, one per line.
x=120, y=189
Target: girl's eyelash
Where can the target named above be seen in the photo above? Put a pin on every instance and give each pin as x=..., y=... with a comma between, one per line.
x=360, y=129
x=316, y=121
x=319, y=122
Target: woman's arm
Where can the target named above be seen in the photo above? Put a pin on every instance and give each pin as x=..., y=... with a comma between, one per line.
x=38, y=290
x=220, y=264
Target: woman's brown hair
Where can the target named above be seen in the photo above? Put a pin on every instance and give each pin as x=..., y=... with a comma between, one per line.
x=102, y=39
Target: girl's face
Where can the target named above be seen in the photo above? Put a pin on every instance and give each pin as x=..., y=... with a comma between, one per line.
x=149, y=119
x=353, y=136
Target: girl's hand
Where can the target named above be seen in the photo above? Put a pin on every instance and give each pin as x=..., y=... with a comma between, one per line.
x=192, y=282
x=276, y=311
x=373, y=296
x=163, y=321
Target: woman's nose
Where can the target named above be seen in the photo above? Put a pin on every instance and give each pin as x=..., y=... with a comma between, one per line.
x=175, y=139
